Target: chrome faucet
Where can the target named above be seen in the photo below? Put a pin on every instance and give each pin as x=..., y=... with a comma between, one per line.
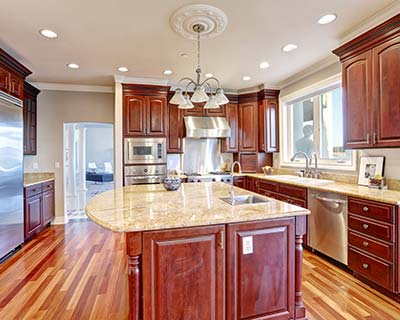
x=307, y=173
x=231, y=193
x=316, y=173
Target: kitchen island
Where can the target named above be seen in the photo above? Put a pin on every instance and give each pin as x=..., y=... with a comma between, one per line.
x=193, y=256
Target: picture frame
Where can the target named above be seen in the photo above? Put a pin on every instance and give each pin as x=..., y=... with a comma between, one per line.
x=370, y=167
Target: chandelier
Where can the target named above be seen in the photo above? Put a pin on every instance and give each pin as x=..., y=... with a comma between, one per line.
x=213, y=99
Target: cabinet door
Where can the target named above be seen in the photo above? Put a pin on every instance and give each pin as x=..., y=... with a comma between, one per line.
x=260, y=272
x=218, y=112
x=4, y=80
x=197, y=111
x=185, y=278
x=268, y=140
x=252, y=184
x=240, y=182
x=176, y=129
x=156, y=116
x=30, y=128
x=135, y=115
x=248, y=127
x=357, y=85
x=232, y=144
x=386, y=59
x=48, y=206
x=33, y=215
x=16, y=86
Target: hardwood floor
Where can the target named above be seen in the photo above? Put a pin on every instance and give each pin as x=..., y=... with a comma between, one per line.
x=78, y=271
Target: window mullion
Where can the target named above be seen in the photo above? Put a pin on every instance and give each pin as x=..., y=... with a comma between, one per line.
x=317, y=126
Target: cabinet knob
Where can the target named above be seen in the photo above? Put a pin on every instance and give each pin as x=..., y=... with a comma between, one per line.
x=365, y=226
x=368, y=138
x=365, y=209
x=365, y=244
x=365, y=265
x=374, y=138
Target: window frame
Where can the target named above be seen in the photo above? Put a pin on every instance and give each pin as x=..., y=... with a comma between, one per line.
x=316, y=89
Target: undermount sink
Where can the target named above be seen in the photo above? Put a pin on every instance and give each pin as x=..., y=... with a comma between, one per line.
x=301, y=179
x=238, y=200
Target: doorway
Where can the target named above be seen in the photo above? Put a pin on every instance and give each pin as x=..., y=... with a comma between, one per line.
x=88, y=164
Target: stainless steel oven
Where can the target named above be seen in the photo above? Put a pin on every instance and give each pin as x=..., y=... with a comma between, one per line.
x=145, y=174
x=145, y=150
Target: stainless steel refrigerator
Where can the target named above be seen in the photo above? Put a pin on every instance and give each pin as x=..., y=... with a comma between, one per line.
x=11, y=174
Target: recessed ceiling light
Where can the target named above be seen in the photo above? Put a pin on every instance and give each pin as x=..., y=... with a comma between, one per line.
x=246, y=78
x=289, y=47
x=264, y=65
x=184, y=55
x=123, y=69
x=209, y=75
x=73, y=66
x=328, y=18
x=168, y=72
x=48, y=33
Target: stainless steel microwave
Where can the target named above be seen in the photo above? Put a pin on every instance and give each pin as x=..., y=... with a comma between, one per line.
x=145, y=150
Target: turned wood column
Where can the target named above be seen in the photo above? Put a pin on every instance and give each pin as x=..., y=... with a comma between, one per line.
x=134, y=252
x=300, y=310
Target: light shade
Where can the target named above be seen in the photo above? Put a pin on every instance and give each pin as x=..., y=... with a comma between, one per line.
x=211, y=103
x=220, y=97
x=199, y=95
x=187, y=104
x=178, y=98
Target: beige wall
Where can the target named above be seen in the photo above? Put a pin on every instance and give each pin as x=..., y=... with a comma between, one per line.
x=392, y=166
x=54, y=109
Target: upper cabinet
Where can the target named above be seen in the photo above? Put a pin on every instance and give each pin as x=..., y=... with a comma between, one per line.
x=232, y=115
x=371, y=89
x=176, y=129
x=268, y=121
x=144, y=110
x=30, y=119
x=12, y=75
x=248, y=116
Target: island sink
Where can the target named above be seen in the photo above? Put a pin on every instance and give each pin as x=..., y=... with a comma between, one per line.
x=245, y=199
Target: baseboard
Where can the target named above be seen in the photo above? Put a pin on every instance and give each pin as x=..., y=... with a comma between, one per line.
x=59, y=220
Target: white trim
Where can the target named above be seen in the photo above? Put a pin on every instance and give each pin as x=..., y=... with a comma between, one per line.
x=118, y=143
x=71, y=87
x=136, y=80
x=371, y=22
x=59, y=220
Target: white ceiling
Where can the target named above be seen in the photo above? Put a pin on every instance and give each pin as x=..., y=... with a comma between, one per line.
x=101, y=35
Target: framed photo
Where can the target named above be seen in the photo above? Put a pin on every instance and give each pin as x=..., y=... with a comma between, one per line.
x=369, y=168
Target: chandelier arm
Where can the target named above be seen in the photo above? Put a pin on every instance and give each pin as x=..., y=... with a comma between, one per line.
x=187, y=86
x=212, y=78
x=183, y=79
x=209, y=87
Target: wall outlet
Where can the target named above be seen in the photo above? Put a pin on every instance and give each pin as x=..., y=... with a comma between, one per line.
x=35, y=165
x=247, y=245
x=57, y=165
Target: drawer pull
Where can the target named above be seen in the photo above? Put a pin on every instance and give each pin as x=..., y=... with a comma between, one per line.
x=34, y=190
x=365, y=226
x=365, y=209
x=365, y=244
x=365, y=265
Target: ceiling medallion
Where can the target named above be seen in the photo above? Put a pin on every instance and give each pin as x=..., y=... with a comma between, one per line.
x=213, y=20
x=202, y=26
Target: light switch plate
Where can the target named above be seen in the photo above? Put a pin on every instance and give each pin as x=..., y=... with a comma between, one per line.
x=247, y=245
x=35, y=165
x=57, y=165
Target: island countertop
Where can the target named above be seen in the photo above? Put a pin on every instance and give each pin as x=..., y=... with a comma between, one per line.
x=151, y=207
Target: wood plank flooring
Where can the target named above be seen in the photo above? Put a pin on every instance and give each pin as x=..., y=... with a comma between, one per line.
x=78, y=271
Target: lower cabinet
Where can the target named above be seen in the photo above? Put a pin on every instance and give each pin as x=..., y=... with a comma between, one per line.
x=240, y=182
x=260, y=270
x=39, y=208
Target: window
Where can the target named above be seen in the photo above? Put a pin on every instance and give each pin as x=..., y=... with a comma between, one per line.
x=314, y=123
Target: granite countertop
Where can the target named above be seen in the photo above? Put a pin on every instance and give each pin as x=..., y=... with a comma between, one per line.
x=37, y=177
x=387, y=196
x=151, y=207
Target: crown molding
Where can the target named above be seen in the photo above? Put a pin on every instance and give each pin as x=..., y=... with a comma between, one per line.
x=71, y=87
x=138, y=80
x=379, y=17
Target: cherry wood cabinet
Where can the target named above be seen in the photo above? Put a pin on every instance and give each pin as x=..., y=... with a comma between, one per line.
x=371, y=95
x=240, y=182
x=12, y=75
x=232, y=115
x=30, y=119
x=261, y=270
x=185, y=273
x=144, y=110
x=39, y=209
x=197, y=111
x=218, y=112
x=248, y=127
x=175, y=130
x=252, y=184
x=268, y=122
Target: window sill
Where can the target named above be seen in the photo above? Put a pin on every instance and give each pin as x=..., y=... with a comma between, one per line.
x=329, y=167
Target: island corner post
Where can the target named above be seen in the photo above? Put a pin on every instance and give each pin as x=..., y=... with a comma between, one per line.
x=134, y=246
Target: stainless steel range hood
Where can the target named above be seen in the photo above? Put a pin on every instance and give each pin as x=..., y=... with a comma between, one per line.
x=207, y=127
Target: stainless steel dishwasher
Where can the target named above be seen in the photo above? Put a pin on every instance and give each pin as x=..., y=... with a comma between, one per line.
x=327, y=224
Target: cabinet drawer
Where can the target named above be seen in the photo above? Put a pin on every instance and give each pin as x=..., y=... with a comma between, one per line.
x=296, y=202
x=33, y=190
x=46, y=186
x=264, y=185
x=370, y=209
x=377, y=248
x=375, y=270
x=269, y=194
x=369, y=227
x=293, y=191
